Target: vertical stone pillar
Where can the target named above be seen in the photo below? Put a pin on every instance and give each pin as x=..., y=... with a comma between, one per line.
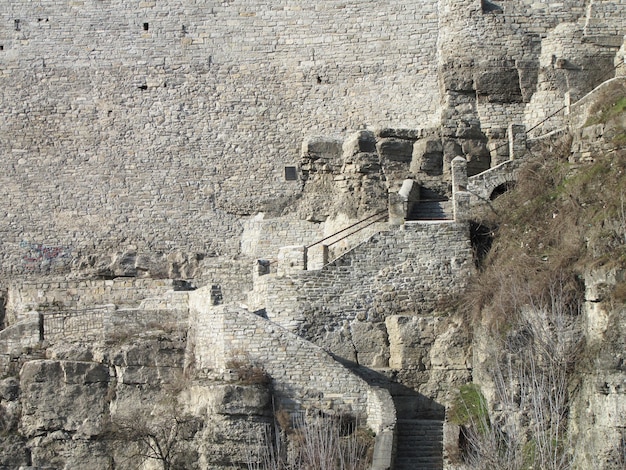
x=460, y=196
x=257, y=296
x=397, y=209
x=517, y=140
x=568, y=102
x=459, y=174
x=316, y=257
x=291, y=259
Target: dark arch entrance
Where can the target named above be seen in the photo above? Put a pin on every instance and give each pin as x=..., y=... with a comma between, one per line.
x=501, y=189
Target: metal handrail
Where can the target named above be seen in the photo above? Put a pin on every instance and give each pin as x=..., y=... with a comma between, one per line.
x=348, y=228
x=352, y=233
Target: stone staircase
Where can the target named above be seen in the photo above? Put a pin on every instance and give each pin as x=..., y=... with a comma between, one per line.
x=419, y=425
x=432, y=209
x=419, y=444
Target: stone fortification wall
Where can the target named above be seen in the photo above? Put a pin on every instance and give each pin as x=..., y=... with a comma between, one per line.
x=154, y=122
x=85, y=326
x=109, y=323
x=53, y=295
x=532, y=55
x=152, y=127
x=344, y=305
x=263, y=238
x=303, y=375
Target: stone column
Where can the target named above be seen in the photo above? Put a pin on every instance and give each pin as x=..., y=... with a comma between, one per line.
x=460, y=196
x=517, y=140
x=316, y=257
x=397, y=209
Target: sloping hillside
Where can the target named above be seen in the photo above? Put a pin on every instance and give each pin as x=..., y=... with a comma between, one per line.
x=548, y=305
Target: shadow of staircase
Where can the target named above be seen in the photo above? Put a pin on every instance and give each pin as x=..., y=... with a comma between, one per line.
x=419, y=426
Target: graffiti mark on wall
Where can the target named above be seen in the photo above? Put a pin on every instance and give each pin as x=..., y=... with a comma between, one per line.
x=39, y=257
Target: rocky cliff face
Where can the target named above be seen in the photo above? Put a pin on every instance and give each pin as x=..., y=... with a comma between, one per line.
x=98, y=406
x=548, y=340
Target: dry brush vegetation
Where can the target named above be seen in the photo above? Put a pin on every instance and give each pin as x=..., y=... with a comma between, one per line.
x=560, y=221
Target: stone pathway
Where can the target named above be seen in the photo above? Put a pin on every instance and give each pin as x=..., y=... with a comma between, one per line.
x=432, y=210
x=419, y=444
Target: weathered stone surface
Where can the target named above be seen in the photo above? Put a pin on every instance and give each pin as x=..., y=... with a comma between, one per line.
x=410, y=340
x=9, y=389
x=14, y=452
x=395, y=150
x=500, y=85
x=321, y=147
x=229, y=399
x=371, y=342
x=60, y=450
x=427, y=157
x=63, y=396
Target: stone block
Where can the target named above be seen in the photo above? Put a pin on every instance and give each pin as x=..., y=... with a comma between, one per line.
x=427, y=157
x=499, y=85
x=322, y=147
x=362, y=141
x=395, y=150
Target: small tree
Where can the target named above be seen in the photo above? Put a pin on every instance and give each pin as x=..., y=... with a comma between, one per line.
x=162, y=434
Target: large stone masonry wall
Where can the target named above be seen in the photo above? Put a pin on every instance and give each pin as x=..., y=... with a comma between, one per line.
x=154, y=122
x=303, y=375
x=153, y=126
x=60, y=295
x=532, y=55
x=343, y=306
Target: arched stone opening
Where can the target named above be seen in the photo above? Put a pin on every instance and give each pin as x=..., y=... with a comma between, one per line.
x=501, y=189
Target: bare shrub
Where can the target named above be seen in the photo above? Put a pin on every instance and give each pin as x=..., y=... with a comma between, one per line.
x=314, y=443
x=162, y=434
x=246, y=370
x=531, y=374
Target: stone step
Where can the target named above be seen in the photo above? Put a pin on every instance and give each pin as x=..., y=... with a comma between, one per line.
x=432, y=210
x=419, y=444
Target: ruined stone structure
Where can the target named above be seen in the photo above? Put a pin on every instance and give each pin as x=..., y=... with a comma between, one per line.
x=192, y=167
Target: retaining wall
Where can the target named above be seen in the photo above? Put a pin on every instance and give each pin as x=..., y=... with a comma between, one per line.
x=303, y=374
x=52, y=295
x=408, y=270
x=157, y=126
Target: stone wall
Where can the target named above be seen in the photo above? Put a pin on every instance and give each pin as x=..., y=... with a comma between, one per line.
x=155, y=126
x=481, y=187
x=262, y=238
x=303, y=375
x=343, y=306
x=66, y=294
x=155, y=122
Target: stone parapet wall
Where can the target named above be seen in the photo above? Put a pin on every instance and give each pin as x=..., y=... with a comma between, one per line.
x=481, y=186
x=107, y=323
x=52, y=295
x=303, y=375
x=409, y=270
